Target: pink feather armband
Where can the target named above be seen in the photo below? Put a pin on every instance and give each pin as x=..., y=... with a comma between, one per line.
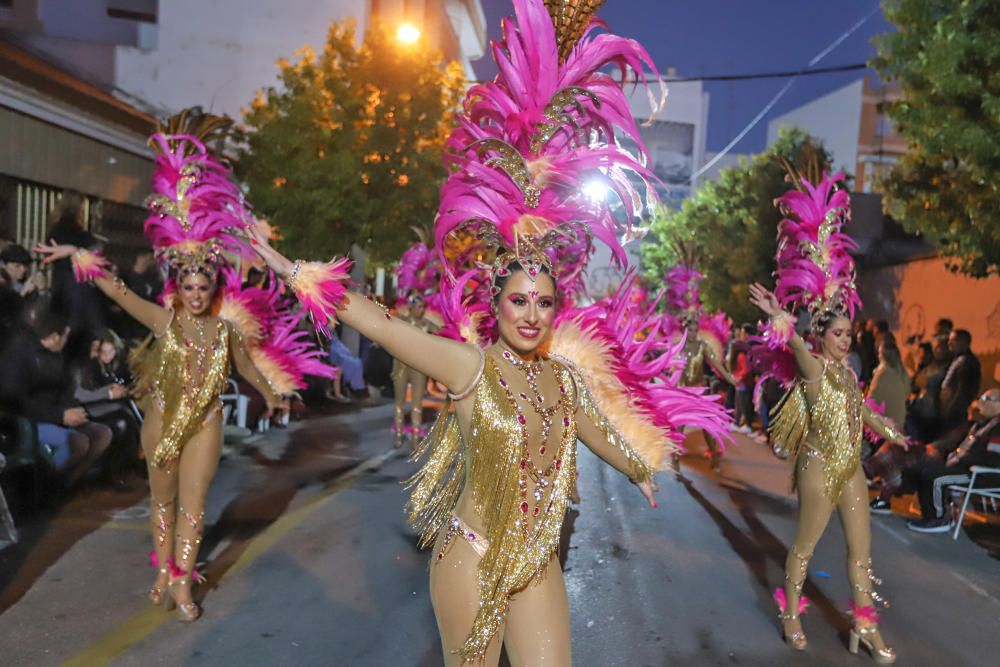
x=88, y=265
x=320, y=288
x=779, y=331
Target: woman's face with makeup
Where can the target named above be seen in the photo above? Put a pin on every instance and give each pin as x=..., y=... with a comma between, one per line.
x=526, y=311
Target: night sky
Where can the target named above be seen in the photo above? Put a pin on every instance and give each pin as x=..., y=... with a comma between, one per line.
x=721, y=37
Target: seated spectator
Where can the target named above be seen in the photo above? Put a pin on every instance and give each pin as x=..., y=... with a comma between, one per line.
x=35, y=380
x=102, y=389
x=352, y=370
x=936, y=473
x=961, y=383
x=890, y=385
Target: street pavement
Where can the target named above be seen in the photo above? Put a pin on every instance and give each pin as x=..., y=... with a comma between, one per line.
x=310, y=562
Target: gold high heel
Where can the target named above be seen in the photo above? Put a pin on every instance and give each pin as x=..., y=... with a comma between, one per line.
x=797, y=640
x=882, y=656
x=156, y=592
x=187, y=612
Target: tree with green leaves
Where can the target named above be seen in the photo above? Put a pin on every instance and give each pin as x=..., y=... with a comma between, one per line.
x=347, y=148
x=945, y=55
x=727, y=229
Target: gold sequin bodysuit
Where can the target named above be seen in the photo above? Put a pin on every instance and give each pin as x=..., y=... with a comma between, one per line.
x=184, y=381
x=694, y=365
x=520, y=488
x=829, y=429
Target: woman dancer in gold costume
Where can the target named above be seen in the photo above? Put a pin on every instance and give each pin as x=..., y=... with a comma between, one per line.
x=819, y=422
x=184, y=366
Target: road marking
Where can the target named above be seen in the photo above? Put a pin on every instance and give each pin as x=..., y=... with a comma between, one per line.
x=144, y=623
x=892, y=531
x=976, y=588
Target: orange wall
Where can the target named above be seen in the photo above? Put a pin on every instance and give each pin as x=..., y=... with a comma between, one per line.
x=913, y=296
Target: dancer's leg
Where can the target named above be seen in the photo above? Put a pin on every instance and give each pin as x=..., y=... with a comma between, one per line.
x=418, y=385
x=815, y=509
x=455, y=597
x=853, y=509
x=399, y=380
x=537, y=632
x=163, y=504
x=198, y=462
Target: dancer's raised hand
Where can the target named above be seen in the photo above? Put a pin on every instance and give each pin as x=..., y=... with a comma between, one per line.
x=53, y=252
x=764, y=299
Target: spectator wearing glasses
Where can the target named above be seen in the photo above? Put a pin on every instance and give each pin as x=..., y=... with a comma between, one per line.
x=936, y=474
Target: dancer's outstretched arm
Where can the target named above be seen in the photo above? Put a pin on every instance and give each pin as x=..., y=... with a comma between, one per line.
x=880, y=425
x=249, y=371
x=454, y=364
x=808, y=365
x=621, y=458
x=151, y=315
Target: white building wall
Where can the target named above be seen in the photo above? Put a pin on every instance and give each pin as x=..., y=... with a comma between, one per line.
x=218, y=54
x=834, y=118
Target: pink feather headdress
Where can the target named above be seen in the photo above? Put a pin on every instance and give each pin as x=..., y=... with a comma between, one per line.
x=682, y=295
x=532, y=139
x=815, y=268
x=194, y=209
x=419, y=273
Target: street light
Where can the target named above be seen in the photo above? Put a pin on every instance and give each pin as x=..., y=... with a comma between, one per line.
x=408, y=33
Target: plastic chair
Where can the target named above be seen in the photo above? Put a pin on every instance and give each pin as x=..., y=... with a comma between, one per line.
x=240, y=403
x=968, y=490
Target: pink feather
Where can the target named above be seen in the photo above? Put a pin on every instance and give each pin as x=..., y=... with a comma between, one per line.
x=779, y=597
x=88, y=265
x=866, y=613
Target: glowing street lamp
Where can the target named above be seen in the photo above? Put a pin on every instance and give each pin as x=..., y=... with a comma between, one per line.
x=408, y=33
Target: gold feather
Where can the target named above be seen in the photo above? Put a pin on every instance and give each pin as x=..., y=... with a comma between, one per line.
x=571, y=18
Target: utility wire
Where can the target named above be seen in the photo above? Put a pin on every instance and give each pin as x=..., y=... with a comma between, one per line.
x=784, y=89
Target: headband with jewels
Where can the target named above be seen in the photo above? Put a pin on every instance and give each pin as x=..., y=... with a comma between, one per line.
x=539, y=172
x=195, y=209
x=815, y=270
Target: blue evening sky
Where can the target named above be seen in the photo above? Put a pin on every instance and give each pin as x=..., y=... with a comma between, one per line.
x=713, y=37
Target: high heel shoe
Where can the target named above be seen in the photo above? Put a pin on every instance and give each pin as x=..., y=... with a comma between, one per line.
x=797, y=639
x=865, y=625
x=881, y=656
x=156, y=592
x=187, y=612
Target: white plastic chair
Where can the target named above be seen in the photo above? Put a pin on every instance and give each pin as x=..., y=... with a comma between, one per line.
x=235, y=401
x=968, y=490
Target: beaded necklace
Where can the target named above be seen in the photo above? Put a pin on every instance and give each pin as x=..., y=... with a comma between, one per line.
x=531, y=477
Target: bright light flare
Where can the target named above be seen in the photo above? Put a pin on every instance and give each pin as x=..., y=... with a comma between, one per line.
x=408, y=33
x=596, y=191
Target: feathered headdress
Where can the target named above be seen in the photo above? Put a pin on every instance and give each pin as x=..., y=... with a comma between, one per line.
x=815, y=270
x=420, y=274
x=532, y=139
x=194, y=210
x=682, y=295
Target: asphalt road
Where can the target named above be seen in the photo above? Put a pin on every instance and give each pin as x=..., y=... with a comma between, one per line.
x=309, y=562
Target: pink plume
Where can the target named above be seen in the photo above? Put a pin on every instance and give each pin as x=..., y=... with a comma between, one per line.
x=88, y=265
x=779, y=597
x=866, y=613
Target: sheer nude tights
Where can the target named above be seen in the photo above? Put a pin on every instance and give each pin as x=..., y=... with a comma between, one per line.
x=418, y=384
x=815, y=510
x=178, y=493
x=536, y=633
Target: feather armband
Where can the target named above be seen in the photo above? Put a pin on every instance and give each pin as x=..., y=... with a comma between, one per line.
x=779, y=331
x=88, y=265
x=320, y=288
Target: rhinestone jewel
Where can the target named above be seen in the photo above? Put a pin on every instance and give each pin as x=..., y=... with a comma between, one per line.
x=524, y=507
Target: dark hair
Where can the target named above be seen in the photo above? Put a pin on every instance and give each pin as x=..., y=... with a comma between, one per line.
x=109, y=336
x=15, y=254
x=963, y=336
x=747, y=328
x=515, y=267
x=945, y=323
x=890, y=352
x=927, y=349
x=882, y=327
x=822, y=320
x=47, y=323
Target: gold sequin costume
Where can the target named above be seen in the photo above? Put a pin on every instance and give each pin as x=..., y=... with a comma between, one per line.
x=829, y=429
x=694, y=365
x=184, y=381
x=521, y=505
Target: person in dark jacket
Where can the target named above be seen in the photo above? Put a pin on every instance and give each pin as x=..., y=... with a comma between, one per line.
x=961, y=383
x=35, y=381
x=936, y=475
